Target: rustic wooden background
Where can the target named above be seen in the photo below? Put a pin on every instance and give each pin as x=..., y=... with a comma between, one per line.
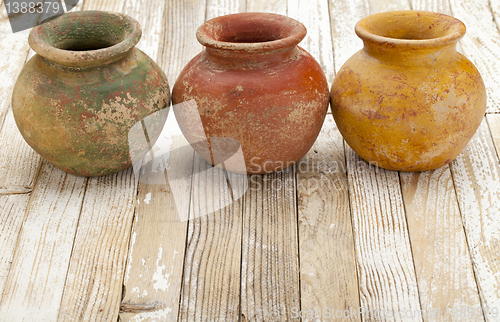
x=330, y=232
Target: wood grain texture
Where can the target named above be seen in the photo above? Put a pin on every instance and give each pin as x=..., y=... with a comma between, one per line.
x=269, y=277
x=442, y=6
x=327, y=261
x=481, y=44
x=217, y=8
x=178, y=44
x=108, y=5
x=152, y=284
x=211, y=283
x=389, y=5
x=318, y=41
x=36, y=279
x=386, y=273
x=10, y=64
x=476, y=173
x=445, y=282
x=343, y=17
x=93, y=288
x=19, y=163
x=12, y=210
x=274, y=6
x=494, y=124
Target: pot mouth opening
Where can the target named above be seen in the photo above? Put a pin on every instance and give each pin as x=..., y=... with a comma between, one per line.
x=410, y=28
x=251, y=32
x=85, y=37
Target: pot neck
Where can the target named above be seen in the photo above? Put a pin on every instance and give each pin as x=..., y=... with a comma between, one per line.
x=246, y=39
x=253, y=59
x=85, y=39
x=410, y=37
x=410, y=56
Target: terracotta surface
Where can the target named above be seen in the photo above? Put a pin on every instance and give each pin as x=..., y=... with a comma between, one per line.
x=253, y=85
x=76, y=100
x=408, y=101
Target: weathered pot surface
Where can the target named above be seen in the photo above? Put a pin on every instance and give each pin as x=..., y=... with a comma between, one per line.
x=408, y=100
x=77, y=99
x=253, y=85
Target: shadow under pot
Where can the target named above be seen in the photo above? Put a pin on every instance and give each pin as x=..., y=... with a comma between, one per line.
x=251, y=90
x=408, y=100
x=77, y=100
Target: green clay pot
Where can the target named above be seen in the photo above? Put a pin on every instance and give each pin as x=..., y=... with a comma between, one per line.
x=76, y=101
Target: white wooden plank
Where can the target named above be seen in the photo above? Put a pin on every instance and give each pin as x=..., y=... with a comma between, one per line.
x=327, y=272
x=93, y=287
x=270, y=272
x=12, y=211
x=13, y=50
x=211, y=283
x=36, y=279
x=273, y=6
x=318, y=41
x=389, y=5
x=216, y=8
x=442, y=261
x=19, y=163
x=481, y=44
x=386, y=274
x=343, y=17
x=494, y=124
x=152, y=284
x=442, y=6
x=476, y=173
x=178, y=44
x=155, y=262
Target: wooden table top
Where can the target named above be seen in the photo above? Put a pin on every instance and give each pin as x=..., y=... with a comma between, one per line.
x=323, y=240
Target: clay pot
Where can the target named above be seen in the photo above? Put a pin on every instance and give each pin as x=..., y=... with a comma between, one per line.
x=408, y=100
x=76, y=100
x=253, y=85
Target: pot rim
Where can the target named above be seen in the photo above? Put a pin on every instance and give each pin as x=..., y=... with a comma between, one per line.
x=454, y=32
x=40, y=39
x=291, y=32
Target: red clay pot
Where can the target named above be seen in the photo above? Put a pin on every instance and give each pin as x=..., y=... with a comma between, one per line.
x=252, y=83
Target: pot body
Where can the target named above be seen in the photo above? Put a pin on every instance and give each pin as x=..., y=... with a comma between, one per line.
x=272, y=101
x=408, y=105
x=77, y=112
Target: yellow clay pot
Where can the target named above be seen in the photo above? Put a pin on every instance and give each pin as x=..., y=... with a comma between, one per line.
x=408, y=100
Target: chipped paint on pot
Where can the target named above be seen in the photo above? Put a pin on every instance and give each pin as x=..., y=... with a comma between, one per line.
x=254, y=84
x=408, y=100
x=77, y=98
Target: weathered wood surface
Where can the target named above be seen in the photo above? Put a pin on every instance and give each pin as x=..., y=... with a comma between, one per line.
x=19, y=162
x=494, y=124
x=10, y=64
x=481, y=43
x=12, y=210
x=476, y=174
x=37, y=275
x=326, y=248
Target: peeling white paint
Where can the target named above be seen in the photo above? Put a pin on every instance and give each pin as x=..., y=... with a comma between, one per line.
x=160, y=315
x=148, y=198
